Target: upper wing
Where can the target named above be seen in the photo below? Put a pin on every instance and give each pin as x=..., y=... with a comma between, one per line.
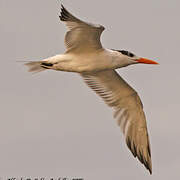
x=81, y=35
x=128, y=111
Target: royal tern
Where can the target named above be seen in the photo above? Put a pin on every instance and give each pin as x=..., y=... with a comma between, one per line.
x=86, y=55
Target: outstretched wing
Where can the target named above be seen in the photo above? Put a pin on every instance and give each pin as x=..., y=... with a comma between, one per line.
x=128, y=111
x=81, y=35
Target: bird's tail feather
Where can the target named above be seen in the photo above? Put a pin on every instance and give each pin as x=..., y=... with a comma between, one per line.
x=38, y=66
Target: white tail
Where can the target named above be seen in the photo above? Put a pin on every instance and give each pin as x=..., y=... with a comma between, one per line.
x=38, y=66
x=35, y=66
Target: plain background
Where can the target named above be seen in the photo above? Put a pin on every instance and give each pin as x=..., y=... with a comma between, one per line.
x=53, y=125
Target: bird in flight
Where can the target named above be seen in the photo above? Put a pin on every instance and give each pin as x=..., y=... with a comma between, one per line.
x=86, y=56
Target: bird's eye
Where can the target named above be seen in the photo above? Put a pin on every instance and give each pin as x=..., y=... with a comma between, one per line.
x=127, y=53
x=131, y=54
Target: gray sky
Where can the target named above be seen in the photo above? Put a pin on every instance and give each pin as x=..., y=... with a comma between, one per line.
x=53, y=125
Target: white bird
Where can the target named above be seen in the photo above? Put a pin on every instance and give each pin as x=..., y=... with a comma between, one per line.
x=86, y=55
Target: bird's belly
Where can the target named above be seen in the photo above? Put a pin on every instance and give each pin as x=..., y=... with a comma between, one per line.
x=90, y=66
x=80, y=63
x=91, y=63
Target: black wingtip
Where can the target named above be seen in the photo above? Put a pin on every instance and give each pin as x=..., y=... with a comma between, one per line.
x=62, y=6
x=64, y=14
x=131, y=145
x=149, y=169
x=144, y=161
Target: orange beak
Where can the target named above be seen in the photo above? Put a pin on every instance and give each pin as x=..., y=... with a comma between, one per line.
x=146, y=61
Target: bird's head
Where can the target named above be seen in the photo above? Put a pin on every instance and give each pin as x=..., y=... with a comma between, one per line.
x=130, y=58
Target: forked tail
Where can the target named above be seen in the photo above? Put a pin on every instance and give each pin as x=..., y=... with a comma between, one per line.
x=38, y=66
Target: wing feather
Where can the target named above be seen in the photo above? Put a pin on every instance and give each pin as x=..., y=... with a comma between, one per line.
x=128, y=111
x=81, y=35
